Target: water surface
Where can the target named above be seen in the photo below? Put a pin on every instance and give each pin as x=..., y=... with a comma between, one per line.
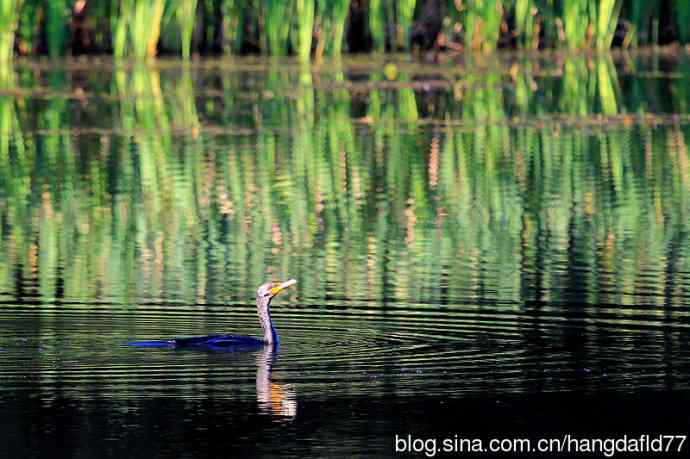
x=482, y=241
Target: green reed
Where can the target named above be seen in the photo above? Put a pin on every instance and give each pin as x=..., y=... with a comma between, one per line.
x=145, y=28
x=304, y=23
x=232, y=25
x=277, y=16
x=392, y=20
x=9, y=123
x=526, y=25
x=211, y=22
x=682, y=11
x=28, y=30
x=482, y=21
x=590, y=22
x=136, y=28
x=186, y=17
x=57, y=23
x=119, y=25
x=277, y=27
x=404, y=12
x=330, y=21
x=376, y=18
x=9, y=18
x=604, y=17
x=644, y=20
x=575, y=18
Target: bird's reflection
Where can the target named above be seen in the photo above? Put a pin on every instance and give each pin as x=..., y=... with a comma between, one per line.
x=273, y=398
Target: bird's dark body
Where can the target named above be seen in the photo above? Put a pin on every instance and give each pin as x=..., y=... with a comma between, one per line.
x=230, y=343
x=213, y=342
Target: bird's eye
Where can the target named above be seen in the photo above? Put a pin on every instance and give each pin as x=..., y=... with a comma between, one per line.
x=267, y=294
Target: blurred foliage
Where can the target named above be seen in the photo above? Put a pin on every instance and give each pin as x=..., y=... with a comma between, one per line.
x=140, y=29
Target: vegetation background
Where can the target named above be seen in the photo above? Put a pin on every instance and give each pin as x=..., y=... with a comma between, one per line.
x=314, y=28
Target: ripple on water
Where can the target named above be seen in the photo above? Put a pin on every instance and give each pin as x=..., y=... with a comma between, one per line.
x=327, y=350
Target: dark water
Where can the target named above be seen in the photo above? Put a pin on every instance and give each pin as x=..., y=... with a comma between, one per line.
x=486, y=248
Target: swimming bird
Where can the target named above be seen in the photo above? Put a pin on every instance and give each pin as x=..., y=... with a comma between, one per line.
x=264, y=295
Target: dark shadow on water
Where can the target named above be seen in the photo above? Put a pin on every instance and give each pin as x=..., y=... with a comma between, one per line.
x=326, y=427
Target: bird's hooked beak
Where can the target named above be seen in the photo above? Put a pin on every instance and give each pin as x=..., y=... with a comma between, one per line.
x=279, y=288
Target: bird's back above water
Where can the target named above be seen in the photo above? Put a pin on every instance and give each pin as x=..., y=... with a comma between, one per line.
x=264, y=295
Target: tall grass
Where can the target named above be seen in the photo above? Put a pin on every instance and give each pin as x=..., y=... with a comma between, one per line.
x=330, y=19
x=9, y=126
x=232, y=25
x=136, y=28
x=590, y=23
x=119, y=24
x=145, y=28
x=404, y=12
x=390, y=22
x=28, y=31
x=482, y=22
x=575, y=22
x=304, y=24
x=57, y=18
x=186, y=17
x=211, y=23
x=604, y=17
x=280, y=27
x=643, y=29
x=9, y=18
x=277, y=16
x=682, y=11
x=526, y=25
x=376, y=19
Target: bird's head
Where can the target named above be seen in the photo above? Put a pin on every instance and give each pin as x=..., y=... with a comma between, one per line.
x=268, y=290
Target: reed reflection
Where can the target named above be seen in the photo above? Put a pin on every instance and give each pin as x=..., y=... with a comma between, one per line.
x=204, y=182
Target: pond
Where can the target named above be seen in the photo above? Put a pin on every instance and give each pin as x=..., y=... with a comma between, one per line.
x=484, y=247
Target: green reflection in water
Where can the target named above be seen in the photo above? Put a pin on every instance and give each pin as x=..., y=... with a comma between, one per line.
x=196, y=185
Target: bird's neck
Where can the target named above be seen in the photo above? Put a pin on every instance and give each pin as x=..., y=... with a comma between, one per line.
x=270, y=334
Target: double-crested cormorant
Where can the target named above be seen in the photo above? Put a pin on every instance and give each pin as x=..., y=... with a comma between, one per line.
x=264, y=295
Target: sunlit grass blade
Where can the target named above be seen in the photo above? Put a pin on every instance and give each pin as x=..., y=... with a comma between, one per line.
x=136, y=28
x=482, y=21
x=575, y=22
x=304, y=18
x=146, y=28
x=9, y=18
x=604, y=19
x=28, y=32
x=186, y=17
x=119, y=23
x=277, y=25
x=376, y=18
x=404, y=13
x=526, y=27
x=330, y=19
